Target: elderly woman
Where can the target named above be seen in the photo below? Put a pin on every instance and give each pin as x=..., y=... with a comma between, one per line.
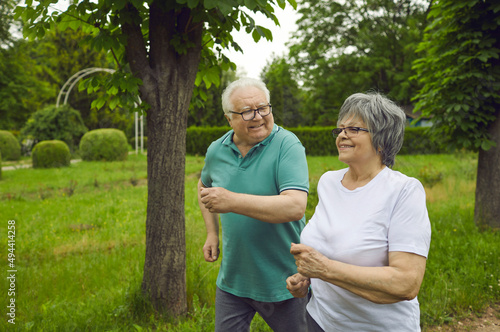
x=364, y=250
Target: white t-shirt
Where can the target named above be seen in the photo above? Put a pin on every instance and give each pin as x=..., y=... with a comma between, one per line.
x=361, y=227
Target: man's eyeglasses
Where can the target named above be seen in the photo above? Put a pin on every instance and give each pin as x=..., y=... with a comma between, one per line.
x=350, y=131
x=250, y=114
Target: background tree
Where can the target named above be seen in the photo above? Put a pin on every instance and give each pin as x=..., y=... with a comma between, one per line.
x=162, y=42
x=285, y=92
x=19, y=91
x=459, y=69
x=6, y=20
x=343, y=47
x=206, y=107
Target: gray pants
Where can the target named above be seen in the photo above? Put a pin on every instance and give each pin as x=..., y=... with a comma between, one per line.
x=234, y=313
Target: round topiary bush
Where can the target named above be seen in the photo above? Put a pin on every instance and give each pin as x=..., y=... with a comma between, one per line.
x=104, y=145
x=47, y=154
x=10, y=147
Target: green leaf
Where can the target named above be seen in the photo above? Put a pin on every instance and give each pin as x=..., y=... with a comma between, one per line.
x=256, y=35
x=250, y=4
x=114, y=102
x=192, y=3
x=210, y=4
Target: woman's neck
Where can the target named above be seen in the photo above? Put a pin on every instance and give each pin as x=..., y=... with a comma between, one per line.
x=360, y=175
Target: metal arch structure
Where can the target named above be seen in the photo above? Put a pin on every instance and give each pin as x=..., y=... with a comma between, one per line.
x=70, y=84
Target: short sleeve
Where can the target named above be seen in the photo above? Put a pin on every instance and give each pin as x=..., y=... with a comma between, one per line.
x=410, y=229
x=292, y=171
x=205, y=178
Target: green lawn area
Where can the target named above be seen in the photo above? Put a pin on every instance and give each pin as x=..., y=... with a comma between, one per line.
x=80, y=243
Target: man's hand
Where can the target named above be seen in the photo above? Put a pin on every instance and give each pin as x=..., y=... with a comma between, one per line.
x=211, y=248
x=216, y=199
x=298, y=285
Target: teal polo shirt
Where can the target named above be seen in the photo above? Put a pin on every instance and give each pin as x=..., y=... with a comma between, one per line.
x=256, y=256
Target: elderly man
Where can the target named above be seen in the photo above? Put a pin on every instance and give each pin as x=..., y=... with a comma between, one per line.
x=255, y=177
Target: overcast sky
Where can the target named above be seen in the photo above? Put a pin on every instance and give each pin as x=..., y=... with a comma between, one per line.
x=256, y=55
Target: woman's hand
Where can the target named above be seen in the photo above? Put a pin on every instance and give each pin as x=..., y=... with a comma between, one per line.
x=310, y=262
x=298, y=285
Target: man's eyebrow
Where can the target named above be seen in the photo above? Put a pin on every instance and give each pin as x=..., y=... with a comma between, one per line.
x=249, y=108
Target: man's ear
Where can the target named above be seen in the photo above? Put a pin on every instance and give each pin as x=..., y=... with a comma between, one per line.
x=228, y=118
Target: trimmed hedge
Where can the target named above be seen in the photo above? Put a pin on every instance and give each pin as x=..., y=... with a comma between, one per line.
x=198, y=139
x=10, y=147
x=48, y=154
x=318, y=141
x=104, y=145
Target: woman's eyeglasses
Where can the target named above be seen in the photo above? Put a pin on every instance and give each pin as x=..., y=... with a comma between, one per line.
x=349, y=131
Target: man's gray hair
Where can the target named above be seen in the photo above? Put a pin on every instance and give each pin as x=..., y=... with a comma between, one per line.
x=241, y=83
x=383, y=118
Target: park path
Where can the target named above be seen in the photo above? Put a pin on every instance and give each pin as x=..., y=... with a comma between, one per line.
x=11, y=168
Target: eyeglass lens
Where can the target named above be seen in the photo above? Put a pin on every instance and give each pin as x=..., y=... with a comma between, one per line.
x=250, y=114
x=351, y=131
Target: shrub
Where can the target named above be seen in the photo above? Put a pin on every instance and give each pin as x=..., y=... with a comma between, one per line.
x=0, y=165
x=104, y=144
x=10, y=147
x=47, y=154
x=198, y=139
x=56, y=123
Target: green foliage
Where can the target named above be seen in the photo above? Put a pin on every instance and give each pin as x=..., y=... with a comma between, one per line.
x=9, y=146
x=206, y=105
x=6, y=18
x=418, y=141
x=0, y=165
x=48, y=154
x=56, y=123
x=104, y=145
x=286, y=96
x=21, y=89
x=318, y=141
x=63, y=53
x=102, y=21
x=344, y=47
x=198, y=139
x=459, y=70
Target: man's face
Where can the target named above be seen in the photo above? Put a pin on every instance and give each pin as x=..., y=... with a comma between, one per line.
x=249, y=133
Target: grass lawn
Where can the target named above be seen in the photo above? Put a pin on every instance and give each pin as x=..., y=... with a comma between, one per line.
x=80, y=242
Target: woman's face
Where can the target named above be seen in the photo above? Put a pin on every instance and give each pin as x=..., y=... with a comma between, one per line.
x=355, y=149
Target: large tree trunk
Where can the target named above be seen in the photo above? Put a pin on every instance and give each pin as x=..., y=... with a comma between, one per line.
x=487, y=210
x=168, y=79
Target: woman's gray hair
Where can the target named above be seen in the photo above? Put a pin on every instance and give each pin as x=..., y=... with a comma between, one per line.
x=241, y=83
x=383, y=118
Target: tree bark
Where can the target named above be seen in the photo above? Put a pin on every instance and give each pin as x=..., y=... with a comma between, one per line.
x=487, y=209
x=168, y=79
